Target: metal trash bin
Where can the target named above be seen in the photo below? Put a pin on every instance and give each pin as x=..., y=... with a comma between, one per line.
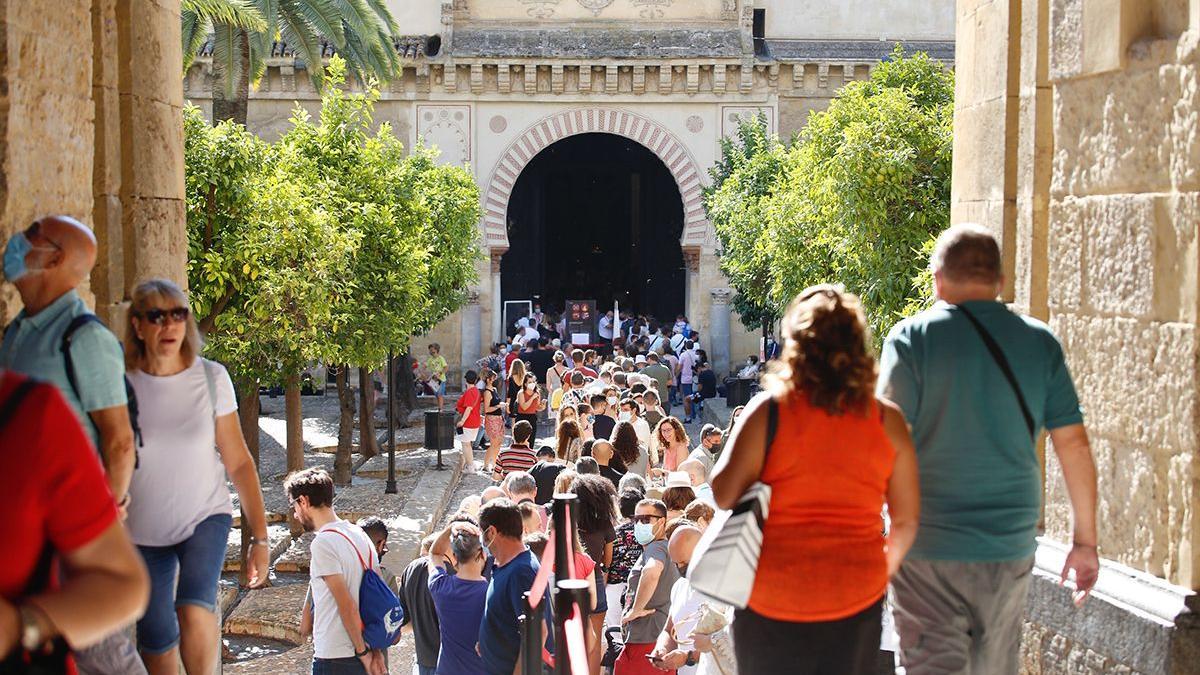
x=439, y=431
x=739, y=391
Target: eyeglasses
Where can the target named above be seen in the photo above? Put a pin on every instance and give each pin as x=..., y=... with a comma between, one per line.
x=159, y=316
x=647, y=518
x=35, y=231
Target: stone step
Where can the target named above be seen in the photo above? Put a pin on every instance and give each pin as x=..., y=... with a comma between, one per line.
x=272, y=612
x=278, y=535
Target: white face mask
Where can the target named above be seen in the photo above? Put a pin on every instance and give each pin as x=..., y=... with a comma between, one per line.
x=624, y=417
x=530, y=387
x=612, y=400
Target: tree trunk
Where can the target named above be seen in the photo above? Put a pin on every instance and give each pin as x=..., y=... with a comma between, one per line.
x=248, y=406
x=405, y=398
x=235, y=109
x=367, y=447
x=295, y=424
x=341, y=463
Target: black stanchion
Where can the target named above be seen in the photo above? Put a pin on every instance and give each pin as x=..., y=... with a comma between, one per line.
x=390, y=487
x=532, y=638
x=567, y=592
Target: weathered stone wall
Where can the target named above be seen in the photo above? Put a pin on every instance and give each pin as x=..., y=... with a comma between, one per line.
x=96, y=134
x=1075, y=140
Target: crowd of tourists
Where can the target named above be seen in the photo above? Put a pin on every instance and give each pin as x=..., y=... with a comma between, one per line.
x=908, y=485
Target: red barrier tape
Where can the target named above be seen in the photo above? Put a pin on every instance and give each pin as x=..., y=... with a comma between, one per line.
x=576, y=646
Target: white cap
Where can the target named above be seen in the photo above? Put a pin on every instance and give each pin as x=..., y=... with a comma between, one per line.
x=639, y=359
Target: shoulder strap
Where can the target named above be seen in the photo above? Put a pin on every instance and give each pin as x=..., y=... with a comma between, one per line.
x=13, y=402
x=210, y=380
x=343, y=535
x=65, y=347
x=1002, y=362
x=772, y=423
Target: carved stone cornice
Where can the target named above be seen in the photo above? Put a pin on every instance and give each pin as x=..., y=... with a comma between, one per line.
x=721, y=296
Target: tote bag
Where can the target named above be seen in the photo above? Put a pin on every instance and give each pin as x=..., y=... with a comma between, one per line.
x=726, y=558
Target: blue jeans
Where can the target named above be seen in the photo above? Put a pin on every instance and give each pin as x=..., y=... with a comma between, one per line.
x=198, y=561
x=345, y=666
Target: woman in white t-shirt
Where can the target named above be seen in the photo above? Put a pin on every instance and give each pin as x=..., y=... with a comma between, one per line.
x=180, y=512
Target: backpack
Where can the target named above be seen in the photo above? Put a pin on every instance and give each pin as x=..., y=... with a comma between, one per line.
x=130, y=395
x=378, y=607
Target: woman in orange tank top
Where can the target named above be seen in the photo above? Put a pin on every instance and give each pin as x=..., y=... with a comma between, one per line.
x=837, y=456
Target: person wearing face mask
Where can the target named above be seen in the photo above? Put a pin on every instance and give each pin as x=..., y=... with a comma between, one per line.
x=648, y=597
x=529, y=402
x=459, y=596
x=502, y=528
x=631, y=413
x=695, y=640
x=706, y=452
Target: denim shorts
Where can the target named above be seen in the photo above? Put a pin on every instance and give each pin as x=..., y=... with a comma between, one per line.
x=344, y=666
x=198, y=561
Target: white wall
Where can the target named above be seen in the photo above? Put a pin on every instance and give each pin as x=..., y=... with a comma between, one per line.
x=859, y=19
x=417, y=17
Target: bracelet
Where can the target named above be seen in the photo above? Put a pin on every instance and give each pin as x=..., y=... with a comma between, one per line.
x=366, y=650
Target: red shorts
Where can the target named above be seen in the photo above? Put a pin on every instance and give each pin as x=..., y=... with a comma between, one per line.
x=633, y=661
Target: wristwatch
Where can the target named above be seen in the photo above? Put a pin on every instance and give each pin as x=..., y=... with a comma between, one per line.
x=366, y=650
x=32, y=636
x=691, y=659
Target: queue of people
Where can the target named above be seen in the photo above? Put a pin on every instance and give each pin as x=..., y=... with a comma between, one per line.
x=916, y=473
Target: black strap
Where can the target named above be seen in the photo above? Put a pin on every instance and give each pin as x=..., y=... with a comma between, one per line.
x=69, y=364
x=998, y=357
x=13, y=402
x=772, y=425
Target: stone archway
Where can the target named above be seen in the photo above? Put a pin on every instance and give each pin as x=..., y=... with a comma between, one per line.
x=650, y=134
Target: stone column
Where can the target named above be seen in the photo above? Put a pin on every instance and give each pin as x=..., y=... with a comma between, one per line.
x=497, y=299
x=472, y=334
x=691, y=266
x=718, y=330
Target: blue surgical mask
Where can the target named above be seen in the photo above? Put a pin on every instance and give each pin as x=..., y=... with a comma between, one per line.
x=487, y=552
x=18, y=247
x=643, y=533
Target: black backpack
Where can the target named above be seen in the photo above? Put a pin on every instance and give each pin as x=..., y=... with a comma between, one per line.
x=130, y=396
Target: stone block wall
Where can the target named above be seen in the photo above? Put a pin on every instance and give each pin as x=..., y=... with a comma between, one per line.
x=1076, y=141
x=96, y=134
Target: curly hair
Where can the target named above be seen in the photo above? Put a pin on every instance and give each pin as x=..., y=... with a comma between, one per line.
x=656, y=440
x=597, y=502
x=625, y=442
x=826, y=356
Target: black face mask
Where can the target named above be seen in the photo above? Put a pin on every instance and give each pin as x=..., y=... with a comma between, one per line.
x=682, y=570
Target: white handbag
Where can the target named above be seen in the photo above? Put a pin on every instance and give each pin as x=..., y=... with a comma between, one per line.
x=726, y=558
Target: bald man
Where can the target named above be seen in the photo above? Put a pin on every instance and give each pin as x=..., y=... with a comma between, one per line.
x=46, y=262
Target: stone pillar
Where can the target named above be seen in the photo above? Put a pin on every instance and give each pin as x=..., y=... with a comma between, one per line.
x=497, y=298
x=691, y=266
x=718, y=330
x=472, y=330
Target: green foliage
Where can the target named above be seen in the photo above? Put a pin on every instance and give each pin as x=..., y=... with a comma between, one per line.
x=264, y=263
x=360, y=30
x=414, y=223
x=855, y=199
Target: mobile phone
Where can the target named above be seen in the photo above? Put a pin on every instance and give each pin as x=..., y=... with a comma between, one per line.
x=654, y=659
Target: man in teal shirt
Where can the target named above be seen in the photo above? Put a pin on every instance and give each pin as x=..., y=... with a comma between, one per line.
x=961, y=591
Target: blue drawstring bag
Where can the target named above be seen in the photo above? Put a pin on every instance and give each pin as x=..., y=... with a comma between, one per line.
x=378, y=607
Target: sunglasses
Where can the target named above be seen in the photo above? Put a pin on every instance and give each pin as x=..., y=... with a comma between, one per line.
x=159, y=316
x=648, y=518
x=34, y=231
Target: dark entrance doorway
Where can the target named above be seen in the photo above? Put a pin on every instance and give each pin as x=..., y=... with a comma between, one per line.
x=596, y=216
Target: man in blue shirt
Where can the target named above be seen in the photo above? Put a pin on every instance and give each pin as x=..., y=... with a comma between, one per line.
x=46, y=262
x=961, y=591
x=516, y=567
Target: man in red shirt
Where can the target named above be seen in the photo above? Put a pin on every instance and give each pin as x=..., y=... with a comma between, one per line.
x=65, y=514
x=579, y=359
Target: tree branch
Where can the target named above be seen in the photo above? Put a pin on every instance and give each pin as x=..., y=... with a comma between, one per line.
x=206, y=324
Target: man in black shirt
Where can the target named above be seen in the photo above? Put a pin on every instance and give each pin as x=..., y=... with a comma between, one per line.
x=540, y=360
x=417, y=603
x=602, y=423
x=544, y=474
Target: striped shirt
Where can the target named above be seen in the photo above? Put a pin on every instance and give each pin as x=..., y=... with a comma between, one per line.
x=515, y=458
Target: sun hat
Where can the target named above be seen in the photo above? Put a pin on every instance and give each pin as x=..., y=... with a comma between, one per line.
x=678, y=479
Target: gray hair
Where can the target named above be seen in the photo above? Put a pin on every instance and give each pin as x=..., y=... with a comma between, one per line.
x=519, y=483
x=967, y=253
x=632, y=480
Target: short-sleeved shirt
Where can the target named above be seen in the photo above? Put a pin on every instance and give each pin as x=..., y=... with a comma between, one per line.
x=646, y=629
x=500, y=632
x=61, y=498
x=979, y=470
x=662, y=378
x=602, y=426
x=515, y=458
x=687, y=361
x=460, y=609
x=544, y=474
x=332, y=554
x=626, y=552
x=180, y=479
x=704, y=457
x=32, y=345
x=419, y=610
x=594, y=542
x=471, y=398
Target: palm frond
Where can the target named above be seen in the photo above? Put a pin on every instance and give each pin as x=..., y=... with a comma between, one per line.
x=194, y=33
x=321, y=15
x=227, y=57
x=241, y=14
x=260, y=49
x=357, y=16
x=300, y=35
x=385, y=17
x=270, y=11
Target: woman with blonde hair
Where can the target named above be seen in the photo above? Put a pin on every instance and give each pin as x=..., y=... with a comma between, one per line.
x=833, y=456
x=180, y=512
x=669, y=444
x=568, y=441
